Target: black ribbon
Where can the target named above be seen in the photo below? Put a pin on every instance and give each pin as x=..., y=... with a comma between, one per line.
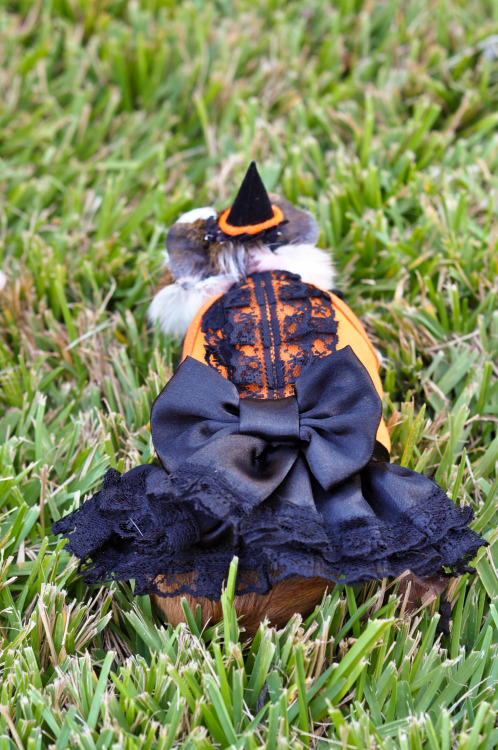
x=327, y=429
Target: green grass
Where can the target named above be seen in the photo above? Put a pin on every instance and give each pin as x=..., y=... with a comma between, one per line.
x=379, y=118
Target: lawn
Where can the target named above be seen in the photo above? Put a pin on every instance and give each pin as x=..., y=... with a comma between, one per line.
x=381, y=119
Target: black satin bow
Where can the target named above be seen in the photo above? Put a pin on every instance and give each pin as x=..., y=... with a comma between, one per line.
x=260, y=445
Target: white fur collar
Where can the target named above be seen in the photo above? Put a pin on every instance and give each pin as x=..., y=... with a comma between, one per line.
x=175, y=306
x=313, y=265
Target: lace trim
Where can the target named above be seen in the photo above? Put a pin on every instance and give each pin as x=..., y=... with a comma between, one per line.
x=262, y=332
x=182, y=532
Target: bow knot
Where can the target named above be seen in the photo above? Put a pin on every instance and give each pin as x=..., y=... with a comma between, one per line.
x=274, y=420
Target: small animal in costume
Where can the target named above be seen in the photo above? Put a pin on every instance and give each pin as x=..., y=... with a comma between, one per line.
x=270, y=437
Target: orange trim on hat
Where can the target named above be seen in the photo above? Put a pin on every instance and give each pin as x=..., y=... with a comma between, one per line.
x=278, y=216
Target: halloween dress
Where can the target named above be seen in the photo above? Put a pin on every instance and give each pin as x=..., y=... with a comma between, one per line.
x=272, y=448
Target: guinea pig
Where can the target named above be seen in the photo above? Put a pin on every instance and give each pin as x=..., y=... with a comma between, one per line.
x=270, y=440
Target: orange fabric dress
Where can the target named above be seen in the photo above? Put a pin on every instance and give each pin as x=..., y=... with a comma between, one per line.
x=272, y=449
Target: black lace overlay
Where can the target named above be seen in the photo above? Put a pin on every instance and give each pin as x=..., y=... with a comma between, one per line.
x=263, y=332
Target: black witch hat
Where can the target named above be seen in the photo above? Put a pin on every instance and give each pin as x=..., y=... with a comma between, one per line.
x=252, y=211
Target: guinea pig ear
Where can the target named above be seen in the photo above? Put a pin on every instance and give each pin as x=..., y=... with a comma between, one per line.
x=186, y=244
x=300, y=227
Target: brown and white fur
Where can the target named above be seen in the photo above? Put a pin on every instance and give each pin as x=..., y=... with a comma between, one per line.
x=178, y=297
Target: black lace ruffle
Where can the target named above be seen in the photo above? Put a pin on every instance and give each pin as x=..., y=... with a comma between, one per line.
x=183, y=531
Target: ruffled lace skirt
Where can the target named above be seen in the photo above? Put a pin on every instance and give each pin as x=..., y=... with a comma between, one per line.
x=293, y=486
